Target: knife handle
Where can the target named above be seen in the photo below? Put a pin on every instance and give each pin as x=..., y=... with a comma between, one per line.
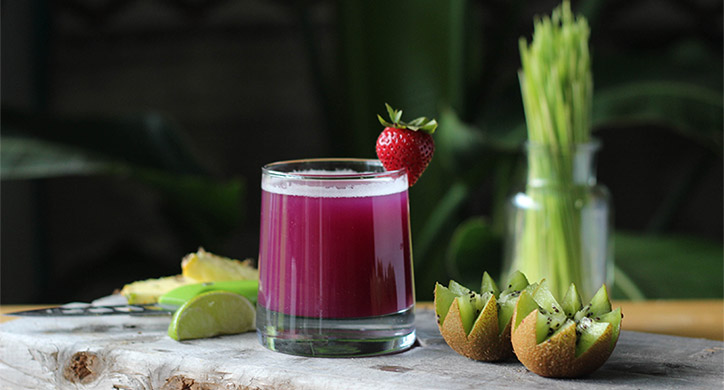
x=175, y=298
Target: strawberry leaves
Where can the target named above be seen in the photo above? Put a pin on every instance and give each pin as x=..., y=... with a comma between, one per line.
x=421, y=123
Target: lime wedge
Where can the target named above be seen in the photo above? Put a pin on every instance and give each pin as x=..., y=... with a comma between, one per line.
x=211, y=314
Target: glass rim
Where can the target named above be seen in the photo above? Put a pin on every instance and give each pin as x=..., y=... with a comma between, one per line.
x=271, y=169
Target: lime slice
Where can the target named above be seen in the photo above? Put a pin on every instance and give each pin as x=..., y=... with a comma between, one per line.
x=211, y=314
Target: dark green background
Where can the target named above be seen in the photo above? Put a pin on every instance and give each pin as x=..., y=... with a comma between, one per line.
x=133, y=131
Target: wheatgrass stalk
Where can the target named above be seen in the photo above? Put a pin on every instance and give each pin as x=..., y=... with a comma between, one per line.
x=556, y=87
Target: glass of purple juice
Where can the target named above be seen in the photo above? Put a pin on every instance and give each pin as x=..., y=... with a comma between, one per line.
x=335, y=259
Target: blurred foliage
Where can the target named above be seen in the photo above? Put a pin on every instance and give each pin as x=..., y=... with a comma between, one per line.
x=148, y=148
x=459, y=60
x=455, y=60
x=671, y=267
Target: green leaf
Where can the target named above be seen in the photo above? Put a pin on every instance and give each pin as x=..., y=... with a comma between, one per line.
x=470, y=153
x=421, y=123
x=670, y=267
x=149, y=140
x=397, y=117
x=391, y=112
x=474, y=247
x=27, y=158
x=626, y=286
x=382, y=120
x=429, y=69
x=429, y=126
x=692, y=109
x=203, y=209
x=417, y=122
x=440, y=217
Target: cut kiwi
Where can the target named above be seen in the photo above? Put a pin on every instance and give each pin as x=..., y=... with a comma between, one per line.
x=614, y=318
x=488, y=285
x=443, y=299
x=587, y=333
x=547, y=325
x=517, y=281
x=467, y=312
x=457, y=288
x=572, y=302
x=545, y=299
x=524, y=306
x=600, y=304
x=478, y=325
x=509, y=297
x=564, y=340
x=507, y=308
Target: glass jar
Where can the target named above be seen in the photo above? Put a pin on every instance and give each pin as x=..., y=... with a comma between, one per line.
x=559, y=226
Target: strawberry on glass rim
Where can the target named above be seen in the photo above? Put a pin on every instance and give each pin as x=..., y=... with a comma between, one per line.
x=406, y=145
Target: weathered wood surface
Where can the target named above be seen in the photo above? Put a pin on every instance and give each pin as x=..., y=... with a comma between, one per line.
x=135, y=353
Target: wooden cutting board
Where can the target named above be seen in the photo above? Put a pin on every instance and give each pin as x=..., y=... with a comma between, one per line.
x=124, y=352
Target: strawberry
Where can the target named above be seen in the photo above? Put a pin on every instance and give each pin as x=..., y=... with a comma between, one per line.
x=406, y=145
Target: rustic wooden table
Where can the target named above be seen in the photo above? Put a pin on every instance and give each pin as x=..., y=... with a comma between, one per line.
x=689, y=318
x=124, y=352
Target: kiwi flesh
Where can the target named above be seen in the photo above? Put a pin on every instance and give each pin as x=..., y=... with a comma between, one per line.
x=587, y=333
x=477, y=325
x=600, y=304
x=488, y=285
x=443, y=299
x=517, y=282
x=564, y=340
x=614, y=318
x=470, y=307
x=457, y=288
x=524, y=306
x=572, y=301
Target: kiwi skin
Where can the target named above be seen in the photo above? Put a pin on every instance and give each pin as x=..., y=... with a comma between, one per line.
x=556, y=357
x=485, y=342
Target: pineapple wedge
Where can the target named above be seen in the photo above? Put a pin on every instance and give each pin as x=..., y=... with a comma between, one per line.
x=148, y=291
x=199, y=267
x=204, y=266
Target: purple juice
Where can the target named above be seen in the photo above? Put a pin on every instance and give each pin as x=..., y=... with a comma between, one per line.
x=338, y=256
x=335, y=267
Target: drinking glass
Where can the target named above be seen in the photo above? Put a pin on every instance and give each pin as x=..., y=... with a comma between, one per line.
x=335, y=263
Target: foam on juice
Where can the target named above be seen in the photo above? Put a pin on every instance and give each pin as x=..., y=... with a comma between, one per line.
x=322, y=186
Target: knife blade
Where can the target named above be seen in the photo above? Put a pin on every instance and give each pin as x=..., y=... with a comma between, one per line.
x=76, y=310
x=167, y=304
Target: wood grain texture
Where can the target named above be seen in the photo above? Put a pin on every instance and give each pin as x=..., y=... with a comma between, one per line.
x=688, y=318
x=124, y=352
x=5, y=309
x=692, y=318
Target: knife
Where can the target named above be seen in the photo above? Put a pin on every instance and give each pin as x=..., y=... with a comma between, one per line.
x=167, y=304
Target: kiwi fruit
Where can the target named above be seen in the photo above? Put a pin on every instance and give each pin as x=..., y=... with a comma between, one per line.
x=565, y=340
x=477, y=325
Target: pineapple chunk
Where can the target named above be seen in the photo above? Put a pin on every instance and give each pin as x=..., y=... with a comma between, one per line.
x=199, y=267
x=204, y=266
x=148, y=291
